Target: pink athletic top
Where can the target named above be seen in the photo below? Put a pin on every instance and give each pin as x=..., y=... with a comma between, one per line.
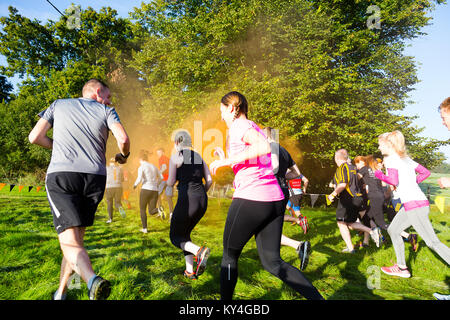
x=254, y=178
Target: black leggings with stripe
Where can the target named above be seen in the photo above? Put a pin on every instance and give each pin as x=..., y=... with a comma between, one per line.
x=190, y=208
x=264, y=220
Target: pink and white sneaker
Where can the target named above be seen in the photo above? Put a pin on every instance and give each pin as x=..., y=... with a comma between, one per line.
x=395, y=270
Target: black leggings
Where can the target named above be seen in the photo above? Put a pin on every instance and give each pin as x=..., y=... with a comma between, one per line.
x=150, y=198
x=375, y=211
x=264, y=220
x=190, y=208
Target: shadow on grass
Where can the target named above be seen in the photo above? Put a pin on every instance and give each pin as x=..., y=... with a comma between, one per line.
x=355, y=286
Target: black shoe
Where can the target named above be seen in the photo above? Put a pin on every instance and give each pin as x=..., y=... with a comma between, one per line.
x=100, y=289
x=304, y=251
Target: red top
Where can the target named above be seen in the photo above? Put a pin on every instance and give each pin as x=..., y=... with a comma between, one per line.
x=164, y=160
x=295, y=183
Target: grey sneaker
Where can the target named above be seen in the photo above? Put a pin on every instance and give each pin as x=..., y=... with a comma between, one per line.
x=100, y=289
x=439, y=296
x=122, y=212
x=55, y=296
x=347, y=250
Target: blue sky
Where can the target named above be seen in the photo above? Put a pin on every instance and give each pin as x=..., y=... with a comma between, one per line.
x=431, y=52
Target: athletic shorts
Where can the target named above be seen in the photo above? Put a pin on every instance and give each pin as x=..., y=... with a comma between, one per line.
x=169, y=190
x=348, y=208
x=294, y=202
x=73, y=198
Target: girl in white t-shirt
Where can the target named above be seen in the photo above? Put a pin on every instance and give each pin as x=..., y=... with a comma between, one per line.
x=401, y=172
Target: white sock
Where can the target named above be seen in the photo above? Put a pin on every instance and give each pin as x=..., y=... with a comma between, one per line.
x=189, y=247
x=189, y=263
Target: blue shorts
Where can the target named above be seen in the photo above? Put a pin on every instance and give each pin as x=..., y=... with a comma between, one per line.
x=294, y=202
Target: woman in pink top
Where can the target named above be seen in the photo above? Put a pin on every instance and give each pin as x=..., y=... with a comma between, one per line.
x=257, y=205
x=401, y=173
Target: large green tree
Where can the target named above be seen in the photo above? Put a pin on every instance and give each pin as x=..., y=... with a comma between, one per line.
x=5, y=89
x=313, y=69
x=56, y=61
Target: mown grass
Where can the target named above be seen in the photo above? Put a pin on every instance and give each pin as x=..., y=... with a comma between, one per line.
x=148, y=266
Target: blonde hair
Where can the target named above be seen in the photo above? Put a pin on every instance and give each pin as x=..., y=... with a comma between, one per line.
x=341, y=154
x=396, y=140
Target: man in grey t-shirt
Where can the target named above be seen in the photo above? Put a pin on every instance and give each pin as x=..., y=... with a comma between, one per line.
x=76, y=175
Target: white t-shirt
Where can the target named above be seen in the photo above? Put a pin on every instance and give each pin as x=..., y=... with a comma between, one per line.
x=407, y=188
x=149, y=175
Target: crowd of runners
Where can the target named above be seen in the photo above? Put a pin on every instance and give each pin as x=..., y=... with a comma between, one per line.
x=267, y=184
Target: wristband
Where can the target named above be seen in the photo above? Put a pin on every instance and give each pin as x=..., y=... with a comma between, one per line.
x=125, y=156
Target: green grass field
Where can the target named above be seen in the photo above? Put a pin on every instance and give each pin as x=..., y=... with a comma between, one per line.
x=148, y=266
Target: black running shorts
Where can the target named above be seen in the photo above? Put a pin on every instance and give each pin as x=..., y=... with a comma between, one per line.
x=74, y=198
x=348, y=208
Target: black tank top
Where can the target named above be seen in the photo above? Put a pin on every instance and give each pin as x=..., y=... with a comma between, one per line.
x=190, y=174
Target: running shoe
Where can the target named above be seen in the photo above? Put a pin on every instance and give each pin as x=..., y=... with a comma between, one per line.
x=380, y=236
x=439, y=296
x=303, y=222
x=375, y=235
x=61, y=297
x=122, y=212
x=191, y=276
x=304, y=251
x=109, y=221
x=100, y=289
x=162, y=213
x=395, y=270
x=144, y=230
x=347, y=250
x=412, y=238
x=201, y=258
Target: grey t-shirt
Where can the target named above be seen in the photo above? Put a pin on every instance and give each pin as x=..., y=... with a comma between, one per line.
x=80, y=131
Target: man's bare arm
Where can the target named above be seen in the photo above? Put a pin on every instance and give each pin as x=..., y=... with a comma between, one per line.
x=38, y=134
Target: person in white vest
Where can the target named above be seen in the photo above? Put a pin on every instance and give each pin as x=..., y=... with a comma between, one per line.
x=113, y=192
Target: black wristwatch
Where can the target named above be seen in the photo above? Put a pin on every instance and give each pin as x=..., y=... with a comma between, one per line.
x=125, y=156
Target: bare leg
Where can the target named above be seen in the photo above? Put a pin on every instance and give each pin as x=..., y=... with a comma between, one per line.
x=359, y=226
x=290, y=218
x=345, y=233
x=66, y=272
x=189, y=263
x=72, y=246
